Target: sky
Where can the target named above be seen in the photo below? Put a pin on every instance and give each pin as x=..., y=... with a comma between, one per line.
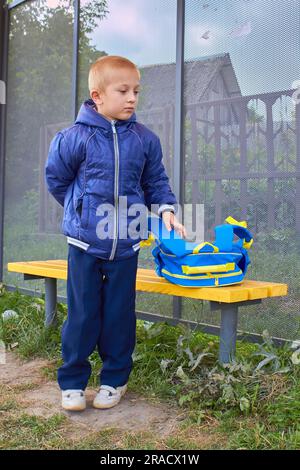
x=262, y=36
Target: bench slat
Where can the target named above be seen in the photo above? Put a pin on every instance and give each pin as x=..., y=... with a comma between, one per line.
x=39, y=269
x=148, y=281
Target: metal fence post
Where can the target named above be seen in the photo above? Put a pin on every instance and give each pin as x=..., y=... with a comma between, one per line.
x=179, y=124
x=3, y=78
x=75, y=57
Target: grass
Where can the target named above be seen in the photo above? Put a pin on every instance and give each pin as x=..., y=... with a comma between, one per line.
x=254, y=403
x=31, y=432
x=24, y=431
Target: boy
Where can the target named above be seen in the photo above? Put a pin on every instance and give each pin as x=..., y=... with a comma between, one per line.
x=106, y=154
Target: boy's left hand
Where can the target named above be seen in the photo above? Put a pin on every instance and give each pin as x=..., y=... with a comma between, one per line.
x=171, y=221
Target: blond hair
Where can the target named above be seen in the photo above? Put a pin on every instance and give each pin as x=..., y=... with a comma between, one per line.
x=103, y=70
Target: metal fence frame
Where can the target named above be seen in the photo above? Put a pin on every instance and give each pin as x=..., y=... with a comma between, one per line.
x=3, y=76
x=4, y=39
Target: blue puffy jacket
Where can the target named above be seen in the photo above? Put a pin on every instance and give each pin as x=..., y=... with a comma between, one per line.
x=94, y=162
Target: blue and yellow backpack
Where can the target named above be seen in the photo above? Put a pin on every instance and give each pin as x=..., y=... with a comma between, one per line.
x=189, y=264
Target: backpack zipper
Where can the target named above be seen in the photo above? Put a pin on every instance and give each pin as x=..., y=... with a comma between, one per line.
x=204, y=276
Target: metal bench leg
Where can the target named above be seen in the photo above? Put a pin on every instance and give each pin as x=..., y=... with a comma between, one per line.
x=229, y=316
x=50, y=301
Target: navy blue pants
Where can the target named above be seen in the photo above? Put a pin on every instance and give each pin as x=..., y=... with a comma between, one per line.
x=101, y=313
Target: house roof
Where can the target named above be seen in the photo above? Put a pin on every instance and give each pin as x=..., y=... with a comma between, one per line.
x=158, y=81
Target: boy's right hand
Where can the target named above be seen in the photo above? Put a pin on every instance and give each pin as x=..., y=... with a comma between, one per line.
x=171, y=221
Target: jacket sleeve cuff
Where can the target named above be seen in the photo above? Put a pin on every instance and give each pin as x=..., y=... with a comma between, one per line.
x=165, y=207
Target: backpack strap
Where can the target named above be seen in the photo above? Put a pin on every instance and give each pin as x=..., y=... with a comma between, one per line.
x=224, y=237
x=232, y=221
x=225, y=234
x=241, y=231
x=199, y=247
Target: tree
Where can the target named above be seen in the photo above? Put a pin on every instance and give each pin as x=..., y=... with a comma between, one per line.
x=39, y=80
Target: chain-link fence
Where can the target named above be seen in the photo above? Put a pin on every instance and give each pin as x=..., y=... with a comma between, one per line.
x=240, y=126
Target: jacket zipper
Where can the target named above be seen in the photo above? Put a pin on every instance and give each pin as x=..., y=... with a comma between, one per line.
x=116, y=193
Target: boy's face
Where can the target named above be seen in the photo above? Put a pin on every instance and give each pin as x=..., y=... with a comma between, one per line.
x=120, y=98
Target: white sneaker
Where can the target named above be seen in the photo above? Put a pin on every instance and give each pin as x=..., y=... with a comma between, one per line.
x=108, y=396
x=73, y=400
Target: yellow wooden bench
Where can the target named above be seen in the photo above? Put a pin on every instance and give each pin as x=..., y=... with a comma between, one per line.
x=226, y=298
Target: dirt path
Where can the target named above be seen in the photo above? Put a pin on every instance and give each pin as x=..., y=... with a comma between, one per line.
x=136, y=421
x=40, y=397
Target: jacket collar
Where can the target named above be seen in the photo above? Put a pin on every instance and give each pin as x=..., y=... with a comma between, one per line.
x=89, y=116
